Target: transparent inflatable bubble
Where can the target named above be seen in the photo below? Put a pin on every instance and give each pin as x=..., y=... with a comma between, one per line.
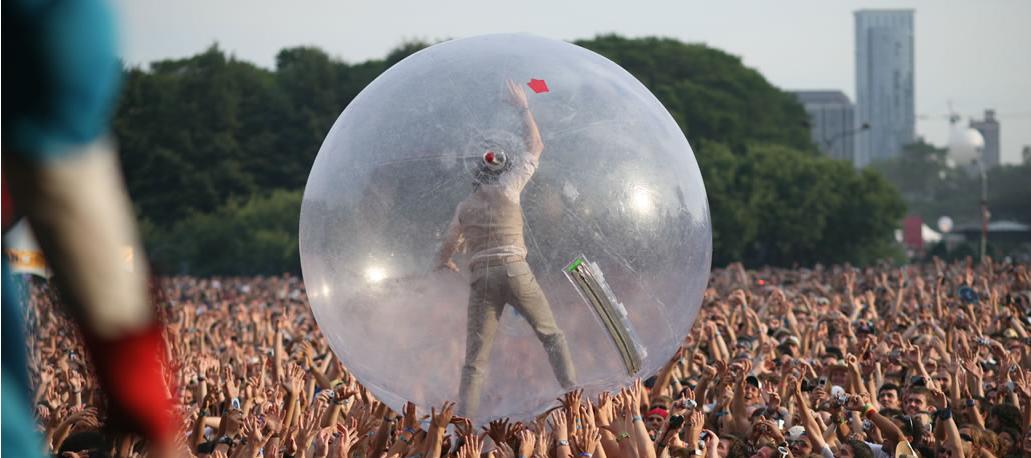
x=579, y=263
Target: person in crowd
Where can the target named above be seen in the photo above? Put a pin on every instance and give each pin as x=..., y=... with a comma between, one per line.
x=934, y=376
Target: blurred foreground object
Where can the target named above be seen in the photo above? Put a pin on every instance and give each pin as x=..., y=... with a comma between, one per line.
x=63, y=176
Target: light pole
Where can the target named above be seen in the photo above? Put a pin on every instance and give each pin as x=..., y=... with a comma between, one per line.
x=829, y=142
x=984, y=203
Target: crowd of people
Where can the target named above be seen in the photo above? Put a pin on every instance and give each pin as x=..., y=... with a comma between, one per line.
x=923, y=360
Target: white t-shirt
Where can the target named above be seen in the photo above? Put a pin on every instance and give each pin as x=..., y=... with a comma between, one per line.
x=513, y=180
x=509, y=186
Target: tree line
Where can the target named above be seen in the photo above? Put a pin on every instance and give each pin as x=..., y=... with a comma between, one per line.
x=216, y=152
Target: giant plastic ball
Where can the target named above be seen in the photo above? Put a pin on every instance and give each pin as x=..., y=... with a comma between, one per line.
x=614, y=222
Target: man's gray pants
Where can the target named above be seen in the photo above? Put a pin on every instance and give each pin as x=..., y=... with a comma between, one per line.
x=495, y=284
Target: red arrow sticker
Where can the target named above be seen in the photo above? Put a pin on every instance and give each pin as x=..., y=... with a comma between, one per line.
x=538, y=86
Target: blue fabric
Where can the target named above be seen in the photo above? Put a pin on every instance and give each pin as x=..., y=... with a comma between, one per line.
x=17, y=425
x=61, y=75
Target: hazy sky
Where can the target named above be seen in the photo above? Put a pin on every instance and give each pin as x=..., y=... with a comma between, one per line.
x=974, y=53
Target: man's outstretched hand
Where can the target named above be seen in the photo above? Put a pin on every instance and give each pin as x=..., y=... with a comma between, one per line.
x=516, y=96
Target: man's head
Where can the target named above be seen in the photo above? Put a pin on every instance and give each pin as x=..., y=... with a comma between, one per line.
x=493, y=163
x=661, y=402
x=888, y=396
x=916, y=401
x=1001, y=416
x=752, y=389
x=731, y=446
x=839, y=339
x=765, y=451
x=798, y=441
x=655, y=418
x=1008, y=439
x=831, y=356
x=791, y=341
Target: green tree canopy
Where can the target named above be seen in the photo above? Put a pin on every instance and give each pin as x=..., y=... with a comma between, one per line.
x=216, y=152
x=710, y=93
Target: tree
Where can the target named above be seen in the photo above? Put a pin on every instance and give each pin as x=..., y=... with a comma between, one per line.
x=216, y=151
x=933, y=188
x=253, y=236
x=710, y=93
x=780, y=206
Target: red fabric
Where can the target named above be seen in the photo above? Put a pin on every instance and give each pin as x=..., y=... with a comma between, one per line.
x=129, y=368
x=912, y=232
x=657, y=411
x=538, y=86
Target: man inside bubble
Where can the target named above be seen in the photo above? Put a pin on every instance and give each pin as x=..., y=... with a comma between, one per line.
x=489, y=222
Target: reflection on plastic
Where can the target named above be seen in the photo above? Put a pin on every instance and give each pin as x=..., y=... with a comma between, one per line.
x=641, y=200
x=375, y=274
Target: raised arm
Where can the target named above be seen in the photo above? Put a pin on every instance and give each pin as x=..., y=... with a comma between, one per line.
x=517, y=97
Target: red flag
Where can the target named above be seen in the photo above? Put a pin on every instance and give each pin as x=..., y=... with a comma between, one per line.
x=538, y=86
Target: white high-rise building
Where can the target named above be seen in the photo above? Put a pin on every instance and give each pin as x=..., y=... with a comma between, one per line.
x=884, y=83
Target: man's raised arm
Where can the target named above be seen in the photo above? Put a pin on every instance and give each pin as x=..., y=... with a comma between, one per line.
x=517, y=97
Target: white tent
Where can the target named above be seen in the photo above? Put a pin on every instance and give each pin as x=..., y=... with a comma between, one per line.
x=929, y=235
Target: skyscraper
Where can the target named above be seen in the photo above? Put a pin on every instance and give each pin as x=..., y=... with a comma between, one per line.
x=884, y=83
x=831, y=122
x=989, y=128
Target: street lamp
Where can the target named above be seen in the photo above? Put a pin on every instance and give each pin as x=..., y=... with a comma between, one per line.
x=828, y=142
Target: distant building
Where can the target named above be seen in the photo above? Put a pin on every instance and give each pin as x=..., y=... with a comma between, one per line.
x=884, y=83
x=831, y=122
x=989, y=128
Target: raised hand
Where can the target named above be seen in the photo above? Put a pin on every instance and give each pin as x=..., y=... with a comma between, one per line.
x=937, y=398
x=498, y=430
x=252, y=430
x=293, y=380
x=560, y=425
x=229, y=385
x=348, y=438
x=604, y=411
x=586, y=440
x=471, y=448
x=322, y=439
x=441, y=420
x=527, y=440
x=571, y=400
x=516, y=95
x=856, y=402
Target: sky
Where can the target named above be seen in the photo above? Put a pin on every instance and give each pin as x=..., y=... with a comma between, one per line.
x=972, y=54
